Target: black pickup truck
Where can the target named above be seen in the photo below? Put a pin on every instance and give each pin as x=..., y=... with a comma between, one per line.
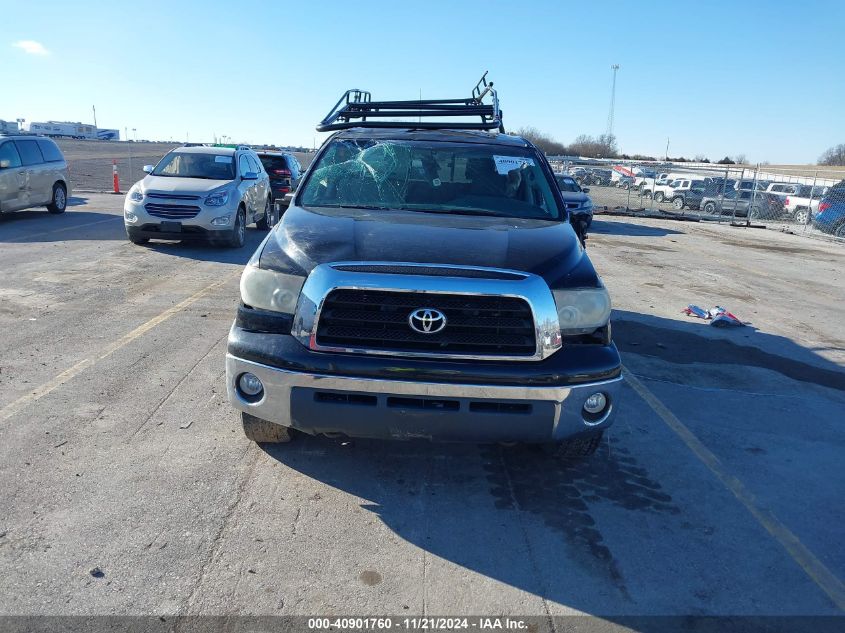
x=424, y=283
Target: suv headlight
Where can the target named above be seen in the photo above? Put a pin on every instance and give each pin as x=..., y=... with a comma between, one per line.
x=217, y=199
x=270, y=290
x=582, y=310
x=136, y=195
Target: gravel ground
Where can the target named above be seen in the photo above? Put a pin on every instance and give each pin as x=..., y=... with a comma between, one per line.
x=128, y=487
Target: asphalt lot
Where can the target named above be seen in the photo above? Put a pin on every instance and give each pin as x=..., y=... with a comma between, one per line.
x=718, y=491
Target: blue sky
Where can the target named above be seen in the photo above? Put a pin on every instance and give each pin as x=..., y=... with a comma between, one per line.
x=765, y=79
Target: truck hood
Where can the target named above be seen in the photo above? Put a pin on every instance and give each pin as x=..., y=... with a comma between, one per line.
x=169, y=184
x=306, y=238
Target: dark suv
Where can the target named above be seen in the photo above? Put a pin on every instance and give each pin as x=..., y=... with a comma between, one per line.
x=424, y=283
x=284, y=170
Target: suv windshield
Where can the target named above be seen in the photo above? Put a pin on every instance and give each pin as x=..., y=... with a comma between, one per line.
x=196, y=165
x=441, y=177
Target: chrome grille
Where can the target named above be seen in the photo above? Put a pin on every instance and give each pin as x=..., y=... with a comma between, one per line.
x=172, y=211
x=172, y=196
x=477, y=325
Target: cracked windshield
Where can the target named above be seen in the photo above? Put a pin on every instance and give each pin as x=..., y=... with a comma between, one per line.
x=458, y=178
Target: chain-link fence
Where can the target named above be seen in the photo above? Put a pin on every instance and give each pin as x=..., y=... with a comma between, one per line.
x=801, y=199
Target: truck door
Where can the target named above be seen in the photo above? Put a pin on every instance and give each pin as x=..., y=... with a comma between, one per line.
x=13, y=179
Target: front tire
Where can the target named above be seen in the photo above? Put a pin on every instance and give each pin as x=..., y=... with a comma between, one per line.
x=140, y=241
x=59, y=201
x=263, y=432
x=678, y=203
x=710, y=208
x=238, y=236
x=579, y=447
x=658, y=197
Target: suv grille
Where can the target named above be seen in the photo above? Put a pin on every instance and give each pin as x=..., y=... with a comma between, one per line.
x=172, y=211
x=378, y=320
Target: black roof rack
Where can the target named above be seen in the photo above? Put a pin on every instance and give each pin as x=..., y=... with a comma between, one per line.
x=357, y=109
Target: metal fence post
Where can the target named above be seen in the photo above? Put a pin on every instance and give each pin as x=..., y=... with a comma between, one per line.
x=753, y=196
x=628, y=204
x=810, y=206
x=722, y=197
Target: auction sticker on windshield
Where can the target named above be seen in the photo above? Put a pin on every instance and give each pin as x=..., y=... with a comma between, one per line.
x=504, y=164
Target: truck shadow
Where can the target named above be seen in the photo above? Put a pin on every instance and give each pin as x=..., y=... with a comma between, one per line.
x=522, y=516
x=608, y=227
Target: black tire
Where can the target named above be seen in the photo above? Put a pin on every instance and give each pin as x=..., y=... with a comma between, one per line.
x=268, y=220
x=58, y=203
x=237, y=238
x=678, y=203
x=710, y=208
x=647, y=194
x=626, y=186
x=839, y=231
x=582, y=446
x=597, y=181
x=140, y=241
x=263, y=432
x=658, y=196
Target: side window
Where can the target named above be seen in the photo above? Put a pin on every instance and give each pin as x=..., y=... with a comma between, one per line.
x=30, y=154
x=243, y=165
x=9, y=153
x=255, y=164
x=50, y=151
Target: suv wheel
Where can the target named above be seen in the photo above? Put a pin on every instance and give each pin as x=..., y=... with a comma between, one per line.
x=647, y=194
x=268, y=221
x=238, y=235
x=840, y=230
x=710, y=207
x=264, y=432
x=658, y=197
x=678, y=203
x=597, y=181
x=59, y=202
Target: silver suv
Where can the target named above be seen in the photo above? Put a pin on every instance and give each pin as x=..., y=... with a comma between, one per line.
x=33, y=173
x=200, y=192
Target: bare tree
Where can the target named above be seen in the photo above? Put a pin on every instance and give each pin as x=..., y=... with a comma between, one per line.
x=739, y=159
x=603, y=146
x=835, y=156
x=543, y=141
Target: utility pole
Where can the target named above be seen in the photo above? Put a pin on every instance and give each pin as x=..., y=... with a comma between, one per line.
x=667, y=149
x=94, y=108
x=614, y=68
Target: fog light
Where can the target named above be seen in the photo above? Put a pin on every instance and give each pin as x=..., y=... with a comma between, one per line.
x=250, y=385
x=596, y=403
x=130, y=217
x=223, y=220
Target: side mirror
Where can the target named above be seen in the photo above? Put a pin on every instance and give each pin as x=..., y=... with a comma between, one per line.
x=148, y=169
x=250, y=175
x=585, y=189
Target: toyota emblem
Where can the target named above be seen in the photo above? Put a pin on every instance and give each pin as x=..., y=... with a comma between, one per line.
x=427, y=321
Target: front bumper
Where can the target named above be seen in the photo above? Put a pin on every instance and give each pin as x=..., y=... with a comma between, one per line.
x=318, y=393
x=198, y=227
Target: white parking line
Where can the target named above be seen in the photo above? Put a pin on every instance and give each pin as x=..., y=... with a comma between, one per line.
x=71, y=372
x=812, y=566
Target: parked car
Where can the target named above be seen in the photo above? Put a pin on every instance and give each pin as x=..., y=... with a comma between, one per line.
x=663, y=191
x=830, y=217
x=33, y=173
x=741, y=204
x=802, y=205
x=200, y=192
x=688, y=194
x=424, y=283
x=599, y=177
x=284, y=171
x=578, y=204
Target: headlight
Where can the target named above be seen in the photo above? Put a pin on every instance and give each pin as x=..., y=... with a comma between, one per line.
x=136, y=195
x=582, y=310
x=586, y=204
x=270, y=290
x=217, y=199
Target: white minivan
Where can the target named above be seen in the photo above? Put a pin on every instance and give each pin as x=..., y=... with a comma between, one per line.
x=33, y=173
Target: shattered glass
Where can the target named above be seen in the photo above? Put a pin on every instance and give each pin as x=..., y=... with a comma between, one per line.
x=442, y=177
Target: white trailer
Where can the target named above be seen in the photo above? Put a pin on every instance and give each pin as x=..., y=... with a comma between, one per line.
x=8, y=127
x=108, y=135
x=62, y=129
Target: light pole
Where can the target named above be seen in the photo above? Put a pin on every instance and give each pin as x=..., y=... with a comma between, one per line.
x=135, y=134
x=20, y=123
